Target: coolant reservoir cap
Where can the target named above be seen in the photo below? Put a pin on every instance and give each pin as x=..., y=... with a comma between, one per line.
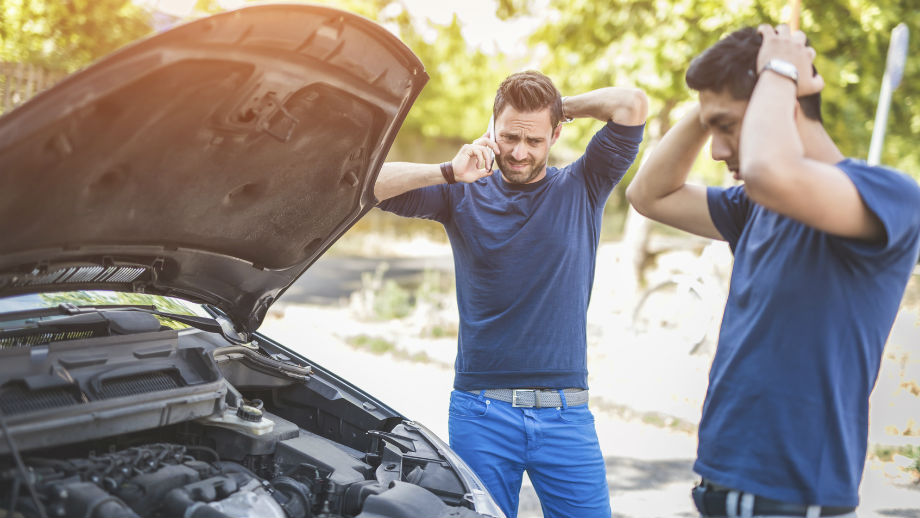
x=249, y=413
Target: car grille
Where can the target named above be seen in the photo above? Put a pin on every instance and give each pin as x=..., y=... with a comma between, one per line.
x=84, y=274
x=17, y=399
x=138, y=384
x=28, y=338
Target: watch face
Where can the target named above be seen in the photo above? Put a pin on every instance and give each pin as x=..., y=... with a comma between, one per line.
x=784, y=68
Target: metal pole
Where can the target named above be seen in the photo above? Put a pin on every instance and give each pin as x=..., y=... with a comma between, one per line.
x=881, y=122
x=796, y=6
x=894, y=69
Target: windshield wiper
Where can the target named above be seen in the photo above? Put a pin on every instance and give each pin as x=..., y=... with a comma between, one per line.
x=211, y=325
x=65, y=309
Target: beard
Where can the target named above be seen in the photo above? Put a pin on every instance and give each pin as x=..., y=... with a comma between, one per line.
x=520, y=176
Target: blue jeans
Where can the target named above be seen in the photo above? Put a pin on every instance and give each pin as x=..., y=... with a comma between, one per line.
x=557, y=446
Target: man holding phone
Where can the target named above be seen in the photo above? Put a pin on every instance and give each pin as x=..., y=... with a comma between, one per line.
x=524, y=243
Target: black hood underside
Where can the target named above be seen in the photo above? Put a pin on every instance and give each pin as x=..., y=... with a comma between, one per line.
x=214, y=162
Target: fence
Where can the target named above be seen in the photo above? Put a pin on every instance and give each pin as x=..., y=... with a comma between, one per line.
x=20, y=81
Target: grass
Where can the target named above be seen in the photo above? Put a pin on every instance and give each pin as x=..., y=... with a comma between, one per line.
x=656, y=419
x=372, y=344
x=381, y=346
x=440, y=331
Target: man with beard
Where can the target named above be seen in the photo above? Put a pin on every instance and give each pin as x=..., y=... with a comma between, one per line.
x=524, y=243
x=824, y=246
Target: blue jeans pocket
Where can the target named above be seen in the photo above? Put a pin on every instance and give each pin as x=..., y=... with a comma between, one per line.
x=467, y=406
x=576, y=414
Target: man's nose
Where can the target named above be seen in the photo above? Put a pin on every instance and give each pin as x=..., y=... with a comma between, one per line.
x=519, y=152
x=720, y=149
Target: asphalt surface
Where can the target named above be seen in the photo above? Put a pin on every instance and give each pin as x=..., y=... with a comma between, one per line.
x=332, y=279
x=649, y=465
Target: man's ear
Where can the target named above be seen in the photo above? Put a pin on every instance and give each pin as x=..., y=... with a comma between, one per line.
x=556, y=133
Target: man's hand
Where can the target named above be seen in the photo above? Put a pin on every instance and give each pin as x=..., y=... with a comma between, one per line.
x=781, y=43
x=780, y=174
x=475, y=160
x=471, y=163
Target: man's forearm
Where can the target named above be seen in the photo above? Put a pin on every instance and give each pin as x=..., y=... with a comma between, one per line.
x=471, y=163
x=396, y=178
x=660, y=190
x=667, y=167
x=626, y=106
x=770, y=140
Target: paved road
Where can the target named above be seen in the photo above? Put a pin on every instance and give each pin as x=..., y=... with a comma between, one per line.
x=649, y=467
x=333, y=278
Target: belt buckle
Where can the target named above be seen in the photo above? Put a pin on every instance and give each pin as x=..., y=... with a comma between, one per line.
x=515, y=395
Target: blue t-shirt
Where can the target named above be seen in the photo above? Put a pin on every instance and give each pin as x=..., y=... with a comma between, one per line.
x=807, y=317
x=524, y=259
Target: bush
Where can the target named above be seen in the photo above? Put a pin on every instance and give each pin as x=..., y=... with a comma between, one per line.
x=887, y=453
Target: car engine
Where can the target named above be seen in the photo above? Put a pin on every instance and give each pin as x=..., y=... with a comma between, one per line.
x=215, y=470
x=158, y=422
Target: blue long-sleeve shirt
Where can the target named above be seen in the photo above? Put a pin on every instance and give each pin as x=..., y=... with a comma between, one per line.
x=524, y=256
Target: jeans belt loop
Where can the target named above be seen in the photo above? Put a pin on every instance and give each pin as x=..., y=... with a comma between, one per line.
x=731, y=504
x=746, y=505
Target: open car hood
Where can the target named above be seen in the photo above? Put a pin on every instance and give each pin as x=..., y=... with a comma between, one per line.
x=214, y=162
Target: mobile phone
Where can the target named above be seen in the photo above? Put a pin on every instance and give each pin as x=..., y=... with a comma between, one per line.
x=491, y=132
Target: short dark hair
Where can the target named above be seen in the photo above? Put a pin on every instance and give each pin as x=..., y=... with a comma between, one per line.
x=729, y=65
x=529, y=91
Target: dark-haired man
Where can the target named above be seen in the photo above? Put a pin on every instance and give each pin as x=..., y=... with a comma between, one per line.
x=824, y=246
x=524, y=243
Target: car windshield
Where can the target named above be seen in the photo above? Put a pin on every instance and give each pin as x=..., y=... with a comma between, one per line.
x=99, y=298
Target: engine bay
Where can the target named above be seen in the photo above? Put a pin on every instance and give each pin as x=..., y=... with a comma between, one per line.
x=204, y=470
x=241, y=431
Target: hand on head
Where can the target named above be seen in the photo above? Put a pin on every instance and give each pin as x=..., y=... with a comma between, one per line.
x=781, y=43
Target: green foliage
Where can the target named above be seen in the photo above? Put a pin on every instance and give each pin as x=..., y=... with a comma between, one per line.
x=435, y=286
x=851, y=38
x=438, y=331
x=68, y=34
x=507, y=8
x=649, y=43
x=457, y=100
x=392, y=301
x=380, y=346
x=383, y=299
x=373, y=344
x=105, y=298
x=886, y=453
x=583, y=44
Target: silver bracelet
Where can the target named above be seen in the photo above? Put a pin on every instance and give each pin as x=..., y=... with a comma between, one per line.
x=565, y=118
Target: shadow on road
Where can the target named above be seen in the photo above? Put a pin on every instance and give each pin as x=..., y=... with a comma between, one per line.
x=632, y=474
x=637, y=489
x=900, y=513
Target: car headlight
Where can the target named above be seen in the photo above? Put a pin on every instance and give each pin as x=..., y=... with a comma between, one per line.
x=477, y=493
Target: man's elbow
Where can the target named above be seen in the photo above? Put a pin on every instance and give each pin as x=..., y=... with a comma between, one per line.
x=635, y=198
x=379, y=194
x=633, y=111
x=763, y=182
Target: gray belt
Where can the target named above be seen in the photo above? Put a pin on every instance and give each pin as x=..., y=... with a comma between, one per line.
x=537, y=398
